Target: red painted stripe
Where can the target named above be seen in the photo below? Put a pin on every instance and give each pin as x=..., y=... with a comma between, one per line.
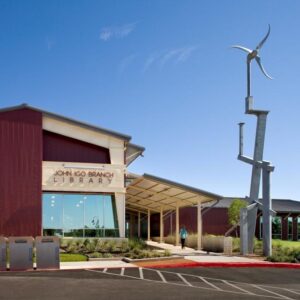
x=227, y=265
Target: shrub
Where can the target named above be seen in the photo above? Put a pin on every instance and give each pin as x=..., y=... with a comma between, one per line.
x=285, y=255
x=192, y=240
x=124, y=247
x=136, y=244
x=170, y=239
x=95, y=255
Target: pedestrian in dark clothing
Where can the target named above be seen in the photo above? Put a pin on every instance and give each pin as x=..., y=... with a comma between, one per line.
x=183, y=235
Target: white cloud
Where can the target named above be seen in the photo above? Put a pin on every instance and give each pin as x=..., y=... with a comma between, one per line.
x=122, y=31
x=176, y=55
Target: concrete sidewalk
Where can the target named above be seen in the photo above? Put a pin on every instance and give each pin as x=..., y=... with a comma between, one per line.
x=175, y=250
x=95, y=265
x=201, y=256
x=187, y=253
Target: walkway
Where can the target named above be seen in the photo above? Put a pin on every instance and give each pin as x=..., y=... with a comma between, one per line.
x=200, y=256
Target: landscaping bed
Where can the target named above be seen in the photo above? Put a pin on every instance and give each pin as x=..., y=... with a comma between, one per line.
x=101, y=249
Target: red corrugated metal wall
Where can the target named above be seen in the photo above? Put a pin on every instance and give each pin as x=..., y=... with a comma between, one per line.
x=20, y=172
x=61, y=148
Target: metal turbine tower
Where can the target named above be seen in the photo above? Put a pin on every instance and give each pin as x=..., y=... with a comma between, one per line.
x=249, y=214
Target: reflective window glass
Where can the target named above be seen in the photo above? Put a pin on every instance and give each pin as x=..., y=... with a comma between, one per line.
x=79, y=215
x=276, y=227
x=290, y=228
x=298, y=228
x=72, y=212
x=93, y=211
x=52, y=211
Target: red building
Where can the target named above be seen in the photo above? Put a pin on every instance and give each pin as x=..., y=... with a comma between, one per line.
x=286, y=224
x=63, y=177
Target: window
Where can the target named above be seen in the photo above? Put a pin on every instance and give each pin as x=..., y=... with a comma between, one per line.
x=79, y=215
x=298, y=228
x=290, y=228
x=276, y=227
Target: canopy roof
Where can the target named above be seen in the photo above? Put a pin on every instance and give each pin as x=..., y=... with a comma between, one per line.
x=150, y=192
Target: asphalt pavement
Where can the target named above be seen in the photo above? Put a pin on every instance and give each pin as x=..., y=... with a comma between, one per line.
x=143, y=283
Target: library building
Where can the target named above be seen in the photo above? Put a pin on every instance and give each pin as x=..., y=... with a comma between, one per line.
x=63, y=177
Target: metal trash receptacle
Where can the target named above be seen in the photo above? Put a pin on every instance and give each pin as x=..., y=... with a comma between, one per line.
x=20, y=253
x=3, y=253
x=47, y=252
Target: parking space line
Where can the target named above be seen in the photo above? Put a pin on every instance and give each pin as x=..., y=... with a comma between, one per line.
x=189, y=285
x=266, y=290
x=237, y=287
x=292, y=291
x=161, y=276
x=183, y=279
x=122, y=271
x=209, y=283
x=141, y=273
x=206, y=280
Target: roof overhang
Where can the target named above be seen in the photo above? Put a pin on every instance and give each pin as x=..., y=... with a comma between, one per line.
x=148, y=192
x=132, y=150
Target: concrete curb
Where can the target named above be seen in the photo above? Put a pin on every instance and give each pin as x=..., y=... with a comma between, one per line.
x=154, y=259
x=227, y=265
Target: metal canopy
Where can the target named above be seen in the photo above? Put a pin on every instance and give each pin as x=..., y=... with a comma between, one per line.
x=154, y=193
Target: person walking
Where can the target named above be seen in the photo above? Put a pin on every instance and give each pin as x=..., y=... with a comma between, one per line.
x=183, y=235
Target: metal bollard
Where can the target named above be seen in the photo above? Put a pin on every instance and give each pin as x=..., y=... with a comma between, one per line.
x=20, y=253
x=3, y=253
x=47, y=252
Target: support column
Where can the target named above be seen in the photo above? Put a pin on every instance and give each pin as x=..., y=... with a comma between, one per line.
x=131, y=226
x=199, y=226
x=177, y=226
x=148, y=226
x=256, y=175
x=120, y=207
x=267, y=218
x=161, y=237
x=295, y=228
x=285, y=228
x=139, y=224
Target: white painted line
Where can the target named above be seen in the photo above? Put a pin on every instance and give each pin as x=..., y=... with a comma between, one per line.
x=141, y=273
x=292, y=291
x=161, y=276
x=104, y=270
x=264, y=289
x=122, y=271
x=184, y=280
x=207, y=282
x=215, y=288
x=237, y=287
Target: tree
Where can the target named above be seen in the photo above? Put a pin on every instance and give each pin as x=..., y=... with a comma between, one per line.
x=234, y=212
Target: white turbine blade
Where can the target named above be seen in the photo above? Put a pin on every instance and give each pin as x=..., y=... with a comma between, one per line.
x=257, y=58
x=264, y=39
x=242, y=48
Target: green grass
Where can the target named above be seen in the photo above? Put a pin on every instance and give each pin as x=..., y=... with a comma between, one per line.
x=286, y=244
x=66, y=257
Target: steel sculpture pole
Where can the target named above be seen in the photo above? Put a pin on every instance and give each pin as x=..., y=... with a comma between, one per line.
x=249, y=214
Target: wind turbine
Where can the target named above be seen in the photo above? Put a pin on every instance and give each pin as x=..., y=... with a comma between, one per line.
x=260, y=167
x=254, y=54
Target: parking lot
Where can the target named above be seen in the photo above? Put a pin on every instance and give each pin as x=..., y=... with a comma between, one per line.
x=143, y=283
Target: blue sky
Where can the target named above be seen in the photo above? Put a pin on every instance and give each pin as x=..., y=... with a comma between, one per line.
x=163, y=72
